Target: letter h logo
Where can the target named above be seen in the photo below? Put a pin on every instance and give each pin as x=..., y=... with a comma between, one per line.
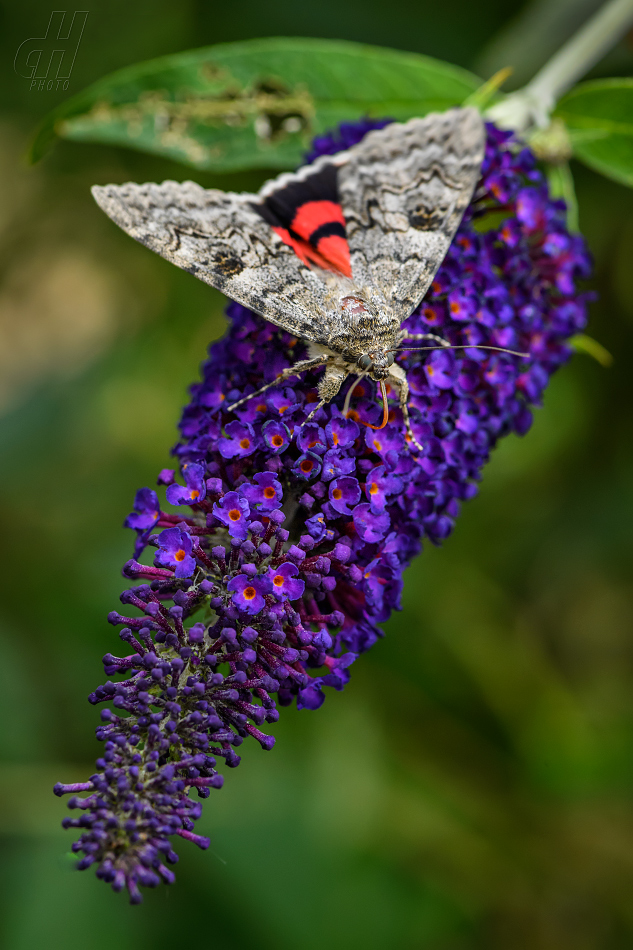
x=52, y=56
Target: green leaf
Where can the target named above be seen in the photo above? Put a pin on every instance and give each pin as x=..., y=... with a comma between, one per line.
x=254, y=104
x=599, y=118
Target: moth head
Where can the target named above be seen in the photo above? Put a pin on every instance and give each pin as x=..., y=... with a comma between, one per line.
x=376, y=364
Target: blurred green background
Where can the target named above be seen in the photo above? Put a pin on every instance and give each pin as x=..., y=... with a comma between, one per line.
x=472, y=788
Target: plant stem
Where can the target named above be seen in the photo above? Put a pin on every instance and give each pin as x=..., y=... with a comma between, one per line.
x=531, y=106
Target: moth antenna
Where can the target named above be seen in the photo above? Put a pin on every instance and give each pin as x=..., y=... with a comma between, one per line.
x=462, y=346
x=385, y=409
x=349, y=394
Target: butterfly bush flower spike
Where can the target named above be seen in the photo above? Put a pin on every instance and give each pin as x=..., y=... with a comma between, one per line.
x=285, y=541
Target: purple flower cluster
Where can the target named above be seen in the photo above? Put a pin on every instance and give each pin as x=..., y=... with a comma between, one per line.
x=288, y=543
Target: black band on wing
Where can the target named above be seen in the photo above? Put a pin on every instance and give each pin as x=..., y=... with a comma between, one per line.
x=280, y=208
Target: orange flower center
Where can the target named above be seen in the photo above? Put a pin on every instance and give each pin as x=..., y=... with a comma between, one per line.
x=261, y=407
x=235, y=514
x=180, y=555
x=249, y=593
x=278, y=580
x=373, y=488
x=245, y=443
x=337, y=493
x=335, y=438
x=277, y=441
x=306, y=466
x=194, y=493
x=377, y=444
x=455, y=307
x=269, y=492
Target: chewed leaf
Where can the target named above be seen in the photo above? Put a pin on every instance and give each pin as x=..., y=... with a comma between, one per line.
x=254, y=104
x=599, y=119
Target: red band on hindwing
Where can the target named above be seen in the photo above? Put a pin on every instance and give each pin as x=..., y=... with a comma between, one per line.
x=312, y=215
x=308, y=218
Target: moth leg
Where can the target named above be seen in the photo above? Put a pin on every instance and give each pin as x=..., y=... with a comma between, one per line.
x=425, y=336
x=398, y=375
x=329, y=386
x=301, y=367
x=318, y=406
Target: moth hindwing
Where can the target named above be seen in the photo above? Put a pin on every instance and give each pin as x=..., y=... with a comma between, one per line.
x=339, y=253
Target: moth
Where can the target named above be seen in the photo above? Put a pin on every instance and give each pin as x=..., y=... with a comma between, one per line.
x=339, y=253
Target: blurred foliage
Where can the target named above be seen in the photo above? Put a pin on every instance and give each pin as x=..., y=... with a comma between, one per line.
x=599, y=117
x=471, y=788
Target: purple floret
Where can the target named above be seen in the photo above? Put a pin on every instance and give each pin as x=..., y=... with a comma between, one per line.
x=249, y=592
x=175, y=548
x=194, y=490
x=233, y=510
x=276, y=577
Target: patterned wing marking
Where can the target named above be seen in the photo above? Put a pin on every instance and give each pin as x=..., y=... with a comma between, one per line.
x=219, y=237
x=404, y=190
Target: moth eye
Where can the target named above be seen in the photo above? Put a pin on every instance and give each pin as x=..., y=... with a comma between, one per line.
x=365, y=362
x=390, y=358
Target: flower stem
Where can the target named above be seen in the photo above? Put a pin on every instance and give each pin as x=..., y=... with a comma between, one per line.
x=532, y=105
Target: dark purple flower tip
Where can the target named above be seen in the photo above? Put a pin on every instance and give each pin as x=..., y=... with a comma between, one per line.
x=311, y=438
x=307, y=466
x=344, y=494
x=233, y=510
x=312, y=696
x=248, y=592
x=276, y=436
x=146, y=510
x=175, y=547
x=285, y=583
x=265, y=494
x=239, y=442
x=166, y=476
x=341, y=432
x=195, y=490
x=371, y=526
x=379, y=486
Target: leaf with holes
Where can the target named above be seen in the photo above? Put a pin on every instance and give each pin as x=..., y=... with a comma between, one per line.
x=254, y=104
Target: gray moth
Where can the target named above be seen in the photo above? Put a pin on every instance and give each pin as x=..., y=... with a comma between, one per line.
x=402, y=192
